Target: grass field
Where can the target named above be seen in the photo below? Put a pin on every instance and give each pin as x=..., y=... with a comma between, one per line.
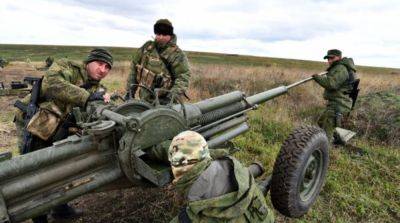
x=357, y=189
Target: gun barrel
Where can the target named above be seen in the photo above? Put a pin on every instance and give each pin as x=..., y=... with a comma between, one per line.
x=299, y=83
x=224, y=126
x=219, y=101
x=266, y=95
x=215, y=142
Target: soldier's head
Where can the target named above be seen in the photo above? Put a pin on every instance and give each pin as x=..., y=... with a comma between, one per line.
x=333, y=55
x=163, y=30
x=186, y=149
x=98, y=63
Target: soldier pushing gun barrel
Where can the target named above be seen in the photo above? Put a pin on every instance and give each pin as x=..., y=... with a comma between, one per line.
x=341, y=91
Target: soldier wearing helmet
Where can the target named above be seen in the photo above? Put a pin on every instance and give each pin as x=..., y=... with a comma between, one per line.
x=159, y=64
x=220, y=190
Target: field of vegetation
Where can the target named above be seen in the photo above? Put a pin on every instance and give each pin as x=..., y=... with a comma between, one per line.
x=358, y=188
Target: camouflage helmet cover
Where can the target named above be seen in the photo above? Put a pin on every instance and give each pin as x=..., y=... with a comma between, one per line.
x=187, y=148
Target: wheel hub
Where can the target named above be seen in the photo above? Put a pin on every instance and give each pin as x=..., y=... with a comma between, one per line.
x=311, y=175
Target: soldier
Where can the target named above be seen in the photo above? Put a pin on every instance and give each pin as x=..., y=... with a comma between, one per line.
x=159, y=64
x=220, y=190
x=66, y=85
x=338, y=84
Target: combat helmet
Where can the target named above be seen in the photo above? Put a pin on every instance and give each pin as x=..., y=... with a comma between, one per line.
x=187, y=149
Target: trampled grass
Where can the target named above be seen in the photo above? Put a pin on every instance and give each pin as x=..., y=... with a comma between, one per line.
x=357, y=189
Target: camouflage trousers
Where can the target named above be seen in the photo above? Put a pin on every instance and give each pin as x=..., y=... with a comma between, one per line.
x=332, y=117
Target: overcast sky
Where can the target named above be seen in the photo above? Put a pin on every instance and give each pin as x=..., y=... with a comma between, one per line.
x=367, y=30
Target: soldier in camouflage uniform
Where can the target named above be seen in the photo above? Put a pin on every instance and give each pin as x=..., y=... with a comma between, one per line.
x=67, y=84
x=159, y=64
x=338, y=83
x=220, y=190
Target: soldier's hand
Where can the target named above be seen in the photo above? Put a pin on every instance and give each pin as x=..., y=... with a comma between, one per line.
x=96, y=96
x=314, y=76
x=107, y=97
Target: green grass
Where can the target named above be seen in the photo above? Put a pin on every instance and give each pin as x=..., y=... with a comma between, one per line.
x=357, y=189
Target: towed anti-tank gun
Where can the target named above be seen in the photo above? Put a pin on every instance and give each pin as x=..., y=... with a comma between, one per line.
x=115, y=150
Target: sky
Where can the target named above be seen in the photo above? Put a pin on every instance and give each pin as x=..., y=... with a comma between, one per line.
x=366, y=30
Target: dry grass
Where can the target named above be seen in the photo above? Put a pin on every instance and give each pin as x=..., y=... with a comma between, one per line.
x=210, y=80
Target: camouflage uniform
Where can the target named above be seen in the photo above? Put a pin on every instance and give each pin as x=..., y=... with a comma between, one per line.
x=159, y=66
x=221, y=190
x=65, y=85
x=337, y=86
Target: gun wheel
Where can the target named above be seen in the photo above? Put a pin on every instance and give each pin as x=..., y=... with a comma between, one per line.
x=299, y=171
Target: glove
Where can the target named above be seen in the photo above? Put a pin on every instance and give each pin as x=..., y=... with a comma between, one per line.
x=86, y=86
x=96, y=96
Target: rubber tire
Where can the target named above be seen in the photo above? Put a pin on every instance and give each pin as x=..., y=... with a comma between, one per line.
x=289, y=166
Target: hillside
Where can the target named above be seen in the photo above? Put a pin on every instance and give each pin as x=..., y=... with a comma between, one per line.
x=40, y=53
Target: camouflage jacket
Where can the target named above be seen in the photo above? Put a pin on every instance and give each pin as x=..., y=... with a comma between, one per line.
x=337, y=84
x=238, y=199
x=65, y=85
x=155, y=66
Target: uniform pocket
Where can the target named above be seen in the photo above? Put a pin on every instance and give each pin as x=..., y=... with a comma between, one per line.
x=155, y=65
x=43, y=124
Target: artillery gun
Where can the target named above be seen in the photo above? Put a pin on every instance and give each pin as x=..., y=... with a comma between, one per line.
x=114, y=150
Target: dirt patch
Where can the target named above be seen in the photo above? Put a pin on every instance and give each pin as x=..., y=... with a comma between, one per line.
x=16, y=71
x=129, y=205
